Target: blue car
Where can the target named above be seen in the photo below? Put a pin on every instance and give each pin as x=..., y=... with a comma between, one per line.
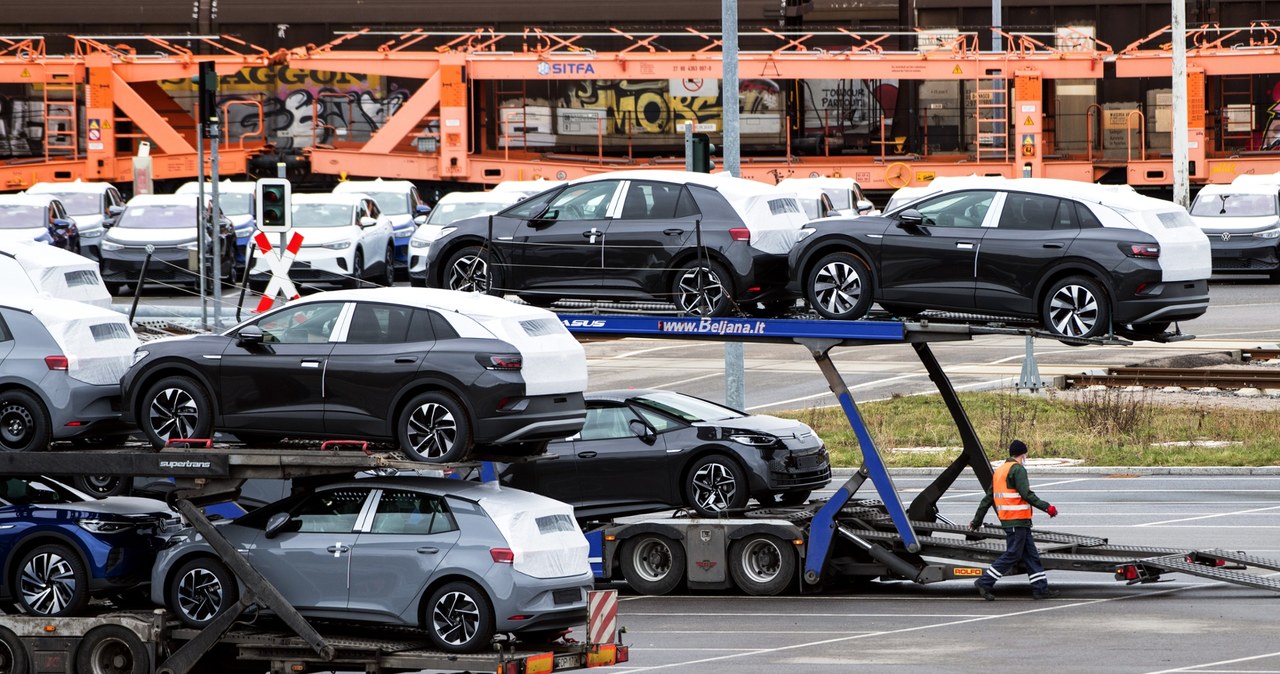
x=61, y=546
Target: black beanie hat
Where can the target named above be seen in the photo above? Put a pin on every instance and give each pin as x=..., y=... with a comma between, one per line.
x=1017, y=448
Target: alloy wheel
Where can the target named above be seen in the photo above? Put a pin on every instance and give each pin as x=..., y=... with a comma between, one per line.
x=432, y=430
x=761, y=560
x=714, y=487
x=699, y=291
x=838, y=287
x=200, y=595
x=652, y=559
x=1073, y=311
x=173, y=414
x=455, y=618
x=16, y=424
x=469, y=274
x=47, y=583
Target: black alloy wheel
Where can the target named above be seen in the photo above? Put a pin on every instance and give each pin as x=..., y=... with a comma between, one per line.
x=459, y=618
x=50, y=581
x=434, y=427
x=702, y=289
x=1076, y=306
x=715, y=484
x=201, y=590
x=839, y=287
x=471, y=270
x=175, y=408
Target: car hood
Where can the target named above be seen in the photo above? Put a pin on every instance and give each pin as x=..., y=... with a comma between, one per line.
x=314, y=237
x=22, y=234
x=794, y=434
x=1242, y=225
x=117, y=505
x=160, y=236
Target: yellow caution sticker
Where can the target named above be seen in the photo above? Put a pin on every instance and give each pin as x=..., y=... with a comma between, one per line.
x=957, y=70
x=1029, y=122
x=25, y=73
x=925, y=176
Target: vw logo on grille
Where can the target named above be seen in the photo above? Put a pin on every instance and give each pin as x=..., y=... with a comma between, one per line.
x=1226, y=236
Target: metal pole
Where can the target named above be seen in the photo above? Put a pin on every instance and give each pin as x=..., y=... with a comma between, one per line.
x=735, y=394
x=217, y=226
x=200, y=224
x=1181, y=179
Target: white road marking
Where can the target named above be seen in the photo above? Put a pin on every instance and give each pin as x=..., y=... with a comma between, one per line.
x=1190, y=668
x=1205, y=517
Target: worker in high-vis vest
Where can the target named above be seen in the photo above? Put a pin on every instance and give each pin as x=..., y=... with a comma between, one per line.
x=1012, y=496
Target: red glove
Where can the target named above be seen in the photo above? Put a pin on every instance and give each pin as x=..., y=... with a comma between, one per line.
x=1053, y=511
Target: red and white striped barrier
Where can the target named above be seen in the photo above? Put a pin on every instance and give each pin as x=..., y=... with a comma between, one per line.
x=602, y=616
x=279, y=263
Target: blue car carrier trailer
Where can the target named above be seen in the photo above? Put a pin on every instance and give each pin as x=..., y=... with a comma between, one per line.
x=241, y=639
x=764, y=551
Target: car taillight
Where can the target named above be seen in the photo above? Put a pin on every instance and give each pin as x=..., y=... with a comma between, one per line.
x=502, y=555
x=56, y=363
x=739, y=234
x=1149, y=250
x=500, y=361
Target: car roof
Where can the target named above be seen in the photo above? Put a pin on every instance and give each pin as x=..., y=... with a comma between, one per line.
x=345, y=199
x=77, y=186
x=481, y=198
x=621, y=395
x=165, y=199
x=380, y=185
x=819, y=182
x=526, y=186
x=1115, y=196
x=27, y=199
x=474, y=305
x=40, y=303
x=1238, y=188
x=229, y=186
x=1272, y=179
x=465, y=489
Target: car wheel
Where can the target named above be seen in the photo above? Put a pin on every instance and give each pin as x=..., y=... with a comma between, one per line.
x=357, y=271
x=459, y=618
x=24, y=422
x=175, y=408
x=13, y=655
x=51, y=581
x=652, y=564
x=201, y=590
x=715, y=484
x=1140, y=332
x=434, y=428
x=839, y=287
x=471, y=270
x=786, y=498
x=1076, y=306
x=762, y=565
x=112, y=649
x=702, y=289
x=102, y=486
x=388, y=277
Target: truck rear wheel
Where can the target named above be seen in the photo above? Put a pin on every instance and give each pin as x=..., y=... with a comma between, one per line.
x=652, y=564
x=762, y=565
x=112, y=649
x=13, y=655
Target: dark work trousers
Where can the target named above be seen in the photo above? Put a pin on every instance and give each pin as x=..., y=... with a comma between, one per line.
x=1019, y=546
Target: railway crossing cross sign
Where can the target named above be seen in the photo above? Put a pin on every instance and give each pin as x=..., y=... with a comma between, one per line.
x=279, y=261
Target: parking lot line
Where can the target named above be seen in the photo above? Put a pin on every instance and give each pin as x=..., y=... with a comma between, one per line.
x=1205, y=517
x=1197, y=668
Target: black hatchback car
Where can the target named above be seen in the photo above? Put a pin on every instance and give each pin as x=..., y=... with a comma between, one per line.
x=1082, y=260
x=438, y=372
x=646, y=450
x=710, y=244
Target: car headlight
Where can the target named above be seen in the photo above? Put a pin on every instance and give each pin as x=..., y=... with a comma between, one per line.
x=108, y=244
x=1268, y=234
x=104, y=526
x=139, y=355
x=420, y=243
x=752, y=439
x=338, y=245
x=92, y=234
x=805, y=232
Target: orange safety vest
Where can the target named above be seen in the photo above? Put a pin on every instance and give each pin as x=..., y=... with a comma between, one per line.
x=1009, y=503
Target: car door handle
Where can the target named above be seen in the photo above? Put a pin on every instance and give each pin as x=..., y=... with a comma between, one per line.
x=428, y=550
x=673, y=232
x=1054, y=244
x=964, y=245
x=337, y=549
x=586, y=455
x=407, y=359
x=310, y=363
x=593, y=234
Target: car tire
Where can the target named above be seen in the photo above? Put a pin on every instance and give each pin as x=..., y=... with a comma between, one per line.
x=13, y=654
x=1140, y=332
x=357, y=272
x=201, y=590
x=472, y=270
x=388, y=277
x=102, y=486
x=714, y=297
x=839, y=287
x=652, y=564
x=175, y=408
x=786, y=498
x=50, y=580
x=112, y=649
x=459, y=618
x=762, y=565
x=434, y=427
x=715, y=484
x=417, y=282
x=1076, y=306
x=24, y=422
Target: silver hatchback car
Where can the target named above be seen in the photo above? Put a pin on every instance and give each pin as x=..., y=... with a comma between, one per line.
x=461, y=560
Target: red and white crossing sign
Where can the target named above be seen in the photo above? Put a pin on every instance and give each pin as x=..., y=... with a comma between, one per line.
x=279, y=261
x=602, y=616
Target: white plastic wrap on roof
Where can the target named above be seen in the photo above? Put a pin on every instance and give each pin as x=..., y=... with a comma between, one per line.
x=542, y=533
x=39, y=268
x=97, y=342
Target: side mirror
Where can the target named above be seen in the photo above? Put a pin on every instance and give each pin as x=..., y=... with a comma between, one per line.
x=63, y=223
x=367, y=221
x=276, y=524
x=865, y=206
x=114, y=211
x=643, y=431
x=249, y=335
x=910, y=218
x=422, y=209
x=420, y=220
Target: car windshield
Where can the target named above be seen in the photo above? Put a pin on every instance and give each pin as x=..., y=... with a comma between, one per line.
x=391, y=203
x=80, y=203
x=20, y=216
x=840, y=198
x=321, y=215
x=235, y=203
x=25, y=491
x=159, y=216
x=444, y=214
x=686, y=407
x=1234, y=205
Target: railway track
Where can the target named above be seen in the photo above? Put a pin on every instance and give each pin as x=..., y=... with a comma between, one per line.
x=1182, y=377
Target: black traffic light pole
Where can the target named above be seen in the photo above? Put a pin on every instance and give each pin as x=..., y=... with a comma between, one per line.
x=207, y=87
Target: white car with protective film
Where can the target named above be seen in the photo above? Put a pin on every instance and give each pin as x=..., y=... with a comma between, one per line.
x=400, y=202
x=95, y=207
x=1242, y=221
x=450, y=208
x=846, y=194
x=31, y=268
x=346, y=240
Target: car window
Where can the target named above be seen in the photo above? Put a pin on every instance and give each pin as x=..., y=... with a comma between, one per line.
x=588, y=201
x=1234, y=205
x=379, y=324
x=660, y=422
x=687, y=206
x=33, y=490
x=406, y=512
x=391, y=203
x=608, y=422
x=18, y=216
x=651, y=201
x=531, y=208
x=329, y=512
x=5, y=334
x=321, y=215
x=1066, y=217
x=956, y=209
x=1028, y=211
x=157, y=216
x=712, y=205
x=1086, y=218
x=305, y=324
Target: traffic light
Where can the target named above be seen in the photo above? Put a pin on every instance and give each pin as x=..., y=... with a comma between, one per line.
x=207, y=103
x=273, y=211
x=702, y=150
